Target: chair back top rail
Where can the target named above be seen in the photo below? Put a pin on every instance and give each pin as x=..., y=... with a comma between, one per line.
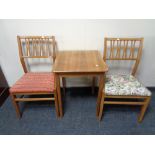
x=37, y=37
x=36, y=47
x=123, y=49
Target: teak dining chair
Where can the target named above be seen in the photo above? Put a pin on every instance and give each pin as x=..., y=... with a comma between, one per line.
x=35, y=83
x=124, y=89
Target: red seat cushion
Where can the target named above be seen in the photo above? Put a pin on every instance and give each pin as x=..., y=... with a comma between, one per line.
x=34, y=83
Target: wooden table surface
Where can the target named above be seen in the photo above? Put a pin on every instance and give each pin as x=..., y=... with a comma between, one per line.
x=79, y=63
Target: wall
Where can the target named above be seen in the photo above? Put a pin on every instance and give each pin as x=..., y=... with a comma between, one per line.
x=76, y=34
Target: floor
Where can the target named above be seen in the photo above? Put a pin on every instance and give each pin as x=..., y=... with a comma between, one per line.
x=79, y=117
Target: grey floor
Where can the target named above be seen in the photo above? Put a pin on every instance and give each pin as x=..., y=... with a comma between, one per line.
x=79, y=117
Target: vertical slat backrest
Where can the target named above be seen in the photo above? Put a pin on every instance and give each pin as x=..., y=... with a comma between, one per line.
x=36, y=47
x=123, y=49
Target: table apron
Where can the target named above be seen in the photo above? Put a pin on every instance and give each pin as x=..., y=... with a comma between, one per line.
x=79, y=74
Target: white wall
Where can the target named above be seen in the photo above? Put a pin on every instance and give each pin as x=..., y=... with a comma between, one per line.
x=77, y=34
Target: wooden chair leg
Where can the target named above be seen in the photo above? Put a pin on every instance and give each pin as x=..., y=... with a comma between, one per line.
x=64, y=85
x=56, y=104
x=143, y=109
x=59, y=95
x=93, y=86
x=16, y=106
x=100, y=92
x=101, y=107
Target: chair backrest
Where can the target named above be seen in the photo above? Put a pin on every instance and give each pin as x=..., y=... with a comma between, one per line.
x=36, y=47
x=129, y=49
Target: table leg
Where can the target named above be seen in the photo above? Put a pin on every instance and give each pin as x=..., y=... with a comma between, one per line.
x=64, y=85
x=101, y=86
x=59, y=94
x=93, y=86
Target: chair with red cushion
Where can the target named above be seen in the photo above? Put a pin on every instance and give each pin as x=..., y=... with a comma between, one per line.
x=35, y=83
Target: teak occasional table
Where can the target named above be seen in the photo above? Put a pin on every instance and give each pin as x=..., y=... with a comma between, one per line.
x=77, y=64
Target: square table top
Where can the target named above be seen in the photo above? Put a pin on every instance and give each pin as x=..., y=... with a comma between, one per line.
x=89, y=61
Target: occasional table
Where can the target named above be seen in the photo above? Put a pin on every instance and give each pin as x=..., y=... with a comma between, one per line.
x=77, y=64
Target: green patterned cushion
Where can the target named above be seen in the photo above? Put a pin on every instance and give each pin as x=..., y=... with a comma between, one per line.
x=124, y=85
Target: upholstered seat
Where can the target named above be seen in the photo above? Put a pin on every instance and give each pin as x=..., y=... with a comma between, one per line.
x=125, y=85
x=33, y=83
x=120, y=89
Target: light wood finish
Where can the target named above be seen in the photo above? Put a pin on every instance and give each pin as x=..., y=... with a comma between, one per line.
x=101, y=87
x=128, y=49
x=77, y=64
x=123, y=103
x=16, y=105
x=143, y=109
x=35, y=47
x=59, y=94
x=56, y=103
x=100, y=109
x=124, y=49
x=34, y=99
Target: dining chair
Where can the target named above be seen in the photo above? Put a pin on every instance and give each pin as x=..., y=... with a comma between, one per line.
x=38, y=86
x=124, y=89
